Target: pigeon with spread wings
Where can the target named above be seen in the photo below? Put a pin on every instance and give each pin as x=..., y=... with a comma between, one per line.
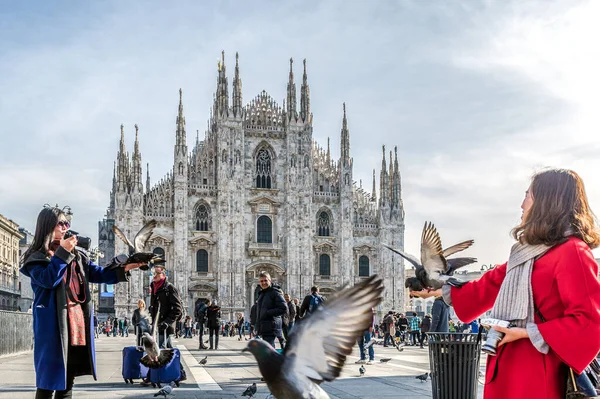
x=319, y=344
x=155, y=357
x=135, y=250
x=435, y=268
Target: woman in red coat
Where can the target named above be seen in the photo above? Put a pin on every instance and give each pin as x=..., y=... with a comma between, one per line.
x=554, y=242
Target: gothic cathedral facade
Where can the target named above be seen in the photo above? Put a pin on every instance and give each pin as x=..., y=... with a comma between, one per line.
x=257, y=194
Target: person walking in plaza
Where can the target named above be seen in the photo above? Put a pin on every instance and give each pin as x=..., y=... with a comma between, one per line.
x=187, y=325
x=311, y=302
x=96, y=326
x=386, y=325
x=548, y=289
x=402, y=324
x=60, y=275
x=440, y=314
x=425, y=328
x=213, y=315
x=270, y=308
x=290, y=320
x=115, y=326
x=140, y=321
x=240, y=327
x=200, y=315
x=415, y=328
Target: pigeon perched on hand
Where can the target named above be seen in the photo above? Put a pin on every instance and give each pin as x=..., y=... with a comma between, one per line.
x=422, y=377
x=165, y=391
x=434, y=269
x=362, y=370
x=319, y=344
x=203, y=361
x=136, y=252
x=155, y=357
x=250, y=391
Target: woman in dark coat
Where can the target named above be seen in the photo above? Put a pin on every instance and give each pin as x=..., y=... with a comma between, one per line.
x=62, y=312
x=213, y=314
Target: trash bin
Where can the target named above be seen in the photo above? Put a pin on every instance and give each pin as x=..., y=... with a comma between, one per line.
x=454, y=364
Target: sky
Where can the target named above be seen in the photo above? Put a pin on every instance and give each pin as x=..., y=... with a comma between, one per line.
x=476, y=95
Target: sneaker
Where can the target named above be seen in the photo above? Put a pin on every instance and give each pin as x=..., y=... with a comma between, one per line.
x=360, y=362
x=369, y=362
x=370, y=343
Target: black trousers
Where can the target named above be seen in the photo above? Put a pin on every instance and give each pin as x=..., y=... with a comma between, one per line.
x=77, y=360
x=213, y=331
x=201, y=333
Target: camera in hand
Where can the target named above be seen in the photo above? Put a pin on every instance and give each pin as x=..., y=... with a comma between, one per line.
x=82, y=242
x=493, y=337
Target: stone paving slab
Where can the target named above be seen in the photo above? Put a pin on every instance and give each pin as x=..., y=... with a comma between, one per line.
x=227, y=374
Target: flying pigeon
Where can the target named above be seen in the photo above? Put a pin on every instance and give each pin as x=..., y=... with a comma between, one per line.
x=422, y=377
x=362, y=370
x=250, y=391
x=155, y=357
x=318, y=346
x=165, y=391
x=203, y=361
x=385, y=359
x=136, y=252
x=434, y=270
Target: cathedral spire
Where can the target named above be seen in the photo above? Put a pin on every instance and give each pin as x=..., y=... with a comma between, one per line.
x=305, y=97
x=345, y=150
x=222, y=95
x=396, y=184
x=383, y=187
x=180, y=136
x=122, y=164
x=147, y=178
x=328, y=152
x=291, y=95
x=373, y=193
x=237, y=89
x=136, y=164
x=390, y=182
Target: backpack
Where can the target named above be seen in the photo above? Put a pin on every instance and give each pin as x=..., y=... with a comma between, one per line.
x=315, y=302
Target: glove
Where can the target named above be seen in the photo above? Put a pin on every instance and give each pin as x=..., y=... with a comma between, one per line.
x=163, y=326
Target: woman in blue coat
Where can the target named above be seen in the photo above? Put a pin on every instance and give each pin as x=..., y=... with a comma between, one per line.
x=63, y=325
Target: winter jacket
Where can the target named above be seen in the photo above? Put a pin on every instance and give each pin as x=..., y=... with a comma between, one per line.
x=213, y=315
x=440, y=313
x=171, y=309
x=200, y=312
x=50, y=324
x=270, y=308
x=425, y=324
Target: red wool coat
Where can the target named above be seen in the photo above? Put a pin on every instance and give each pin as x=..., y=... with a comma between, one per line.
x=566, y=290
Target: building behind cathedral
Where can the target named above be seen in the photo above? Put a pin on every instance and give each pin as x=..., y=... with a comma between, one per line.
x=257, y=194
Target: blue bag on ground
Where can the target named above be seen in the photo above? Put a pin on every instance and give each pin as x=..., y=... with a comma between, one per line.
x=132, y=368
x=169, y=373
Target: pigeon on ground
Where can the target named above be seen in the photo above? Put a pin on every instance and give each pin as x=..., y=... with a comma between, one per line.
x=385, y=359
x=362, y=370
x=250, y=391
x=422, y=377
x=155, y=357
x=318, y=346
x=136, y=252
x=203, y=361
x=165, y=391
x=434, y=269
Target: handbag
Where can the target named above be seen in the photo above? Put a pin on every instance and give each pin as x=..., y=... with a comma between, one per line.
x=582, y=385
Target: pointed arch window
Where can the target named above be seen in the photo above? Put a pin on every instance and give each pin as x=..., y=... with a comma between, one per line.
x=202, y=261
x=324, y=265
x=363, y=266
x=202, y=218
x=264, y=230
x=324, y=224
x=263, y=169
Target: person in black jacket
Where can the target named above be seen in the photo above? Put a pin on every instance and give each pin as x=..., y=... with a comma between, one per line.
x=290, y=317
x=171, y=309
x=213, y=315
x=200, y=315
x=270, y=308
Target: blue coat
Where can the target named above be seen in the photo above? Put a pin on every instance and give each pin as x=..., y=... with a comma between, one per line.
x=50, y=325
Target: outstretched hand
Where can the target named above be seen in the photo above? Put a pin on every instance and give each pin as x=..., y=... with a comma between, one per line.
x=426, y=293
x=130, y=266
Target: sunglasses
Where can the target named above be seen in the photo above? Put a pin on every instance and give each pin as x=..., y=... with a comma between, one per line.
x=64, y=223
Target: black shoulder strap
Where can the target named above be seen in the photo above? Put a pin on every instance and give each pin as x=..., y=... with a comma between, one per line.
x=537, y=311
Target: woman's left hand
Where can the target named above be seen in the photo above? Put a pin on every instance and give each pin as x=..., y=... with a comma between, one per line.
x=130, y=266
x=511, y=334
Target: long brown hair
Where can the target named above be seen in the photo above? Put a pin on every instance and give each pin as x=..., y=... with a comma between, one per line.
x=560, y=206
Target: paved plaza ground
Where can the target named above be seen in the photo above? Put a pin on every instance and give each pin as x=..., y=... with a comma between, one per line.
x=227, y=374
